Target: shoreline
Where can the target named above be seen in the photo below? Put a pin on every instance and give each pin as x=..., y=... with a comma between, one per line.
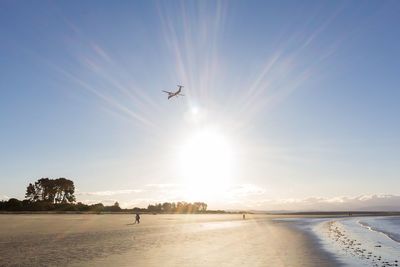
x=354, y=244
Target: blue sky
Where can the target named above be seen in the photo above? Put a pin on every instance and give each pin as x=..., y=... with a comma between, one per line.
x=304, y=94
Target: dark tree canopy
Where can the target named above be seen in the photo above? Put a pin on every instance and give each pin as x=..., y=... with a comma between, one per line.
x=59, y=190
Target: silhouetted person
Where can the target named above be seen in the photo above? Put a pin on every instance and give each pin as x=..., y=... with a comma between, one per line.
x=137, y=220
x=244, y=216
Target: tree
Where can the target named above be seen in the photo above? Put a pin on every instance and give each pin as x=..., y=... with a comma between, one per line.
x=166, y=207
x=14, y=204
x=31, y=193
x=66, y=190
x=99, y=207
x=59, y=190
x=201, y=206
x=179, y=207
x=113, y=208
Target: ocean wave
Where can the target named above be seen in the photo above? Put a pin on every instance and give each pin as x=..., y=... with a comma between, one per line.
x=393, y=236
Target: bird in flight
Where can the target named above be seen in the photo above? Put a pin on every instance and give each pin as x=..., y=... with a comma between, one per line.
x=177, y=93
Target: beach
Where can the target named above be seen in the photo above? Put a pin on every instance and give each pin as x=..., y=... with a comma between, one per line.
x=362, y=241
x=159, y=240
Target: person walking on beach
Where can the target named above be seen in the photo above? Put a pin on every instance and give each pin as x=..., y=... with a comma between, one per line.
x=137, y=220
x=244, y=216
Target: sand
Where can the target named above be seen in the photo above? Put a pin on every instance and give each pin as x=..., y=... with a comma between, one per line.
x=160, y=240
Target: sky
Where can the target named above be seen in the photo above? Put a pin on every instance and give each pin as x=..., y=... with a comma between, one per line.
x=286, y=105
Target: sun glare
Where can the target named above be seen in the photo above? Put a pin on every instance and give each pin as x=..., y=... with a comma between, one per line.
x=206, y=164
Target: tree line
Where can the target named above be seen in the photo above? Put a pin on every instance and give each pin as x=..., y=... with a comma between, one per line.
x=14, y=204
x=179, y=207
x=48, y=194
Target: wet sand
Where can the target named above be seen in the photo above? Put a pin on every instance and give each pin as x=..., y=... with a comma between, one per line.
x=160, y=240
x=371, y=256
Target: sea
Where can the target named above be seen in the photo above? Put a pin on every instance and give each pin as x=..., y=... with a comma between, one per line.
x=358, y=241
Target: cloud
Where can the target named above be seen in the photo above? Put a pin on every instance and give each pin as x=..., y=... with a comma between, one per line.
x=247, y=189
x=110, y=192
x=3, y=197
x=374, y=202
x=139, y=197
x=240, y=196
x=163, y=185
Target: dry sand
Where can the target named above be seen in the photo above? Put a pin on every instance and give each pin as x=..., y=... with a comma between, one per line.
x=160, y=240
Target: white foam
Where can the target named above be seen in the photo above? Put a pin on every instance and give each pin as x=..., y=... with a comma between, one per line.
x=360, y=241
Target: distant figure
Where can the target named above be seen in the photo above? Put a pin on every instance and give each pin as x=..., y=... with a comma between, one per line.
x=244, y=216
x=137, y=220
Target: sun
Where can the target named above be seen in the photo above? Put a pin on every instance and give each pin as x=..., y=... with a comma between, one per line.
x=206, y=163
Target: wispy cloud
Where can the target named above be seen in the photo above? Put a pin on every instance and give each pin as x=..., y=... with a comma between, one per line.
x=110, y=192
x=163, y=185
x=239, y=196
x=362, y=202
